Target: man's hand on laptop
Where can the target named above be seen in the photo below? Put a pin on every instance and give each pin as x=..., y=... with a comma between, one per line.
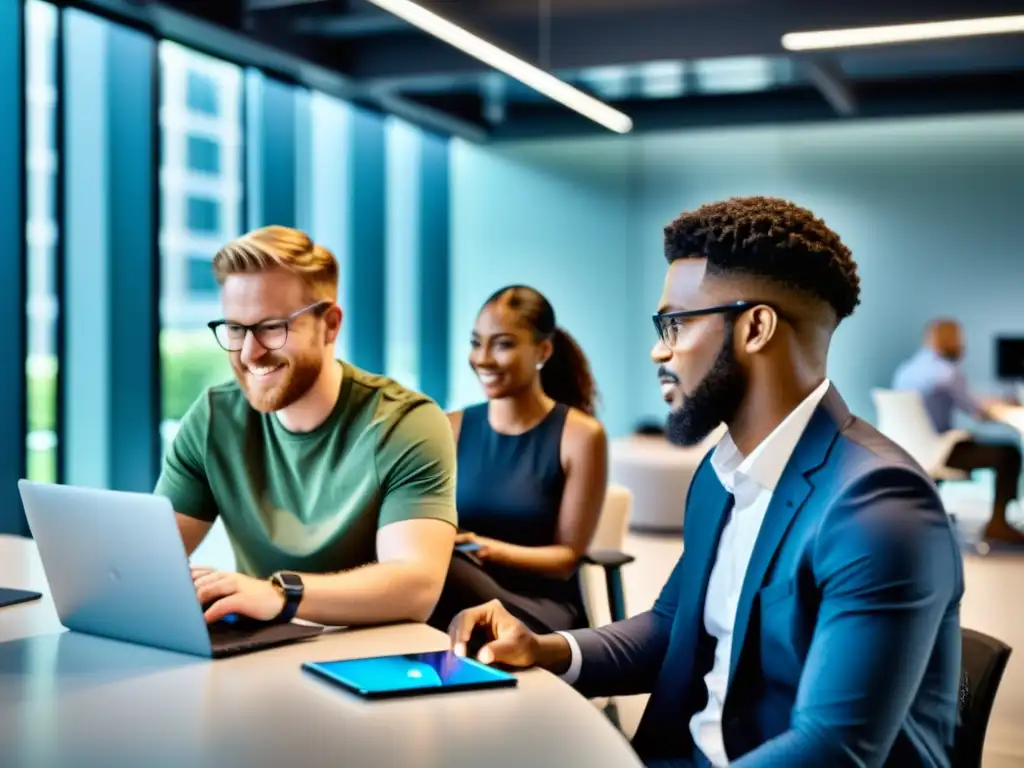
x=226, y=592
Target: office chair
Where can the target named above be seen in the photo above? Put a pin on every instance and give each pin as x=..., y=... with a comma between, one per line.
x=902, y=418
x=982, y=667
x=606, y=556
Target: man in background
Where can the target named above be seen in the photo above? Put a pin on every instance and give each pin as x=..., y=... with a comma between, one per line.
x=336, y=486
x=935, y=371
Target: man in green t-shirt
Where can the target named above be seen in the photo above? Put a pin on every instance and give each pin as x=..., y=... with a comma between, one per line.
x=315, y=467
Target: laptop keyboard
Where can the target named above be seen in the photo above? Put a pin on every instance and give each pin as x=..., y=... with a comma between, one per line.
x=250, y=634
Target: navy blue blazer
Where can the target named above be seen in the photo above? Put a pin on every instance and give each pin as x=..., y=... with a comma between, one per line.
x=846, y=646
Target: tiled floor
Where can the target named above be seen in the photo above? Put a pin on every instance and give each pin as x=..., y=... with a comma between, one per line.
x=992, y=605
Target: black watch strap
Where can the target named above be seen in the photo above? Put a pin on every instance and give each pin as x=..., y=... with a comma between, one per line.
x=291, y=587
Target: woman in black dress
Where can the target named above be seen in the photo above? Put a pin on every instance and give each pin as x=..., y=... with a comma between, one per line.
x=532, y=468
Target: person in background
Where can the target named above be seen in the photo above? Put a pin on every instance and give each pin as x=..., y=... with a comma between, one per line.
x=936, y=372
x=532, y=468
x=814, y=616
x=336, y=486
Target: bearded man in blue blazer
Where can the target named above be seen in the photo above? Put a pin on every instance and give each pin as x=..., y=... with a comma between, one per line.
x=813, y=618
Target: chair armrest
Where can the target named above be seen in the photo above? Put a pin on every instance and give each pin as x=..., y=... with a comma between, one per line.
x=607, y=558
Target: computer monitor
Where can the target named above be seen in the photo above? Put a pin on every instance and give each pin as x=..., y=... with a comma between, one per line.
x=1010, y=357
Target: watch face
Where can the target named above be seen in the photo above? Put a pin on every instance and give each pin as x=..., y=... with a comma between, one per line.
x=289, y=580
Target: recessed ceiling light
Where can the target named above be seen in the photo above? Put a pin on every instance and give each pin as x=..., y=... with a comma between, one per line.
x=901, y=33
x=512, y=66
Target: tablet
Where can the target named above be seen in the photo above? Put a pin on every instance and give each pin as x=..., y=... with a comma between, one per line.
x=16, y=596
x=412, y=674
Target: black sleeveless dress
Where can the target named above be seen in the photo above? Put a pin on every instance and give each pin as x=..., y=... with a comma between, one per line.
x=510, y=488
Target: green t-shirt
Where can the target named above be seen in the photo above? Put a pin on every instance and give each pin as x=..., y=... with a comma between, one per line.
x=312, y=501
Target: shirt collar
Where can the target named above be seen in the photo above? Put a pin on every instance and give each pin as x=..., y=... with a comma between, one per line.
x=762, y=469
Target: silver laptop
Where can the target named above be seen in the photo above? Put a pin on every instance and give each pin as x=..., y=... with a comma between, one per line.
x=117, y=568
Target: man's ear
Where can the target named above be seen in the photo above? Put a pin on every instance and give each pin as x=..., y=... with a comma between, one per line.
x=760, y=326
x=332, y=323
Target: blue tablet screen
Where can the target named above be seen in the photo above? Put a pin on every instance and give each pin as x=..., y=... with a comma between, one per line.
x=414, y=671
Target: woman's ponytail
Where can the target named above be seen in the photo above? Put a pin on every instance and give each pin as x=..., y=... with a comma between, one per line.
x=566, y=376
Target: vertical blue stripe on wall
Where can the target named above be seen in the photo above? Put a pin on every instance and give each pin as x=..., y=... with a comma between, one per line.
x=276, y=148
x=111, y=327
x=365, y=264
x=12, y=263
x=434, y=260
x=303, y=157
x=87, y=340
x=252, y=104
x=134, y=256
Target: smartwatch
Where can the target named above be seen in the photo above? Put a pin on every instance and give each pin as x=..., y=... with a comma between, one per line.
x=290, y=585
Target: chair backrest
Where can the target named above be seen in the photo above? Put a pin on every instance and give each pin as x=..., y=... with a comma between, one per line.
x=903, y=418
x=983, y=663
x=612, y=526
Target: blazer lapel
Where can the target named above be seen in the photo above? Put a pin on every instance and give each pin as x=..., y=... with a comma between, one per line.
x=790, y=495
x=710, y=510
x=706, y=514
x=702, y=549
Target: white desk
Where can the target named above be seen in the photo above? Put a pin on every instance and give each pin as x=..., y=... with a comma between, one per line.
x=68, y=699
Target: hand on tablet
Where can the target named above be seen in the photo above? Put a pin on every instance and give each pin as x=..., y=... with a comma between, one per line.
x=505, y=639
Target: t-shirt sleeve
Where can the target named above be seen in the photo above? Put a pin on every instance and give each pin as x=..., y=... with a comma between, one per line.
x=183, y=478
x=416, y=466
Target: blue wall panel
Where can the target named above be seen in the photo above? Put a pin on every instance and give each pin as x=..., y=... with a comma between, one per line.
x=277, y=150
x=110, y=390
x=12, y=263
x=365, y=265
x=434, y=258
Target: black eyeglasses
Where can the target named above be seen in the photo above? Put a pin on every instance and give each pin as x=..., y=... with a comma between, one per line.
x=669, y=324
x=270, y=334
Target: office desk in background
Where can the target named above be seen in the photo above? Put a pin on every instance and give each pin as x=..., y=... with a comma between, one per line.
x=68, y=699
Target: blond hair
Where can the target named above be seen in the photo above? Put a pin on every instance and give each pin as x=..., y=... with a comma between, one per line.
x=277, y=247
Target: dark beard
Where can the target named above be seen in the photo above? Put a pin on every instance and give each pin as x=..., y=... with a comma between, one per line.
x=715, y=400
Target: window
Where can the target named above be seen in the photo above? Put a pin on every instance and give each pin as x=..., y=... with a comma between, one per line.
x=203, y=155
x=322, y=183
x=41, y=207
x=203, y=215
x=201, y=92
x=200, y=276
x=201, y=210
x=402, y=329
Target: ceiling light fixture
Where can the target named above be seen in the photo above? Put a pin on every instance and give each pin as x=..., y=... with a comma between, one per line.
x=901, y=33
x=512, y=66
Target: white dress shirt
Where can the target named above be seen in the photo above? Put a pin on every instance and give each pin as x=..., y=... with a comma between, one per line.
x=752, y=481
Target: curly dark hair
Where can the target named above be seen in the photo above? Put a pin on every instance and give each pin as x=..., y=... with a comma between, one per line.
x=772, y=239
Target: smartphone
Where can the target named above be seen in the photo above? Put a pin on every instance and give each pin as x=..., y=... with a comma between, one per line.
x=467, y=546
x=412, y=674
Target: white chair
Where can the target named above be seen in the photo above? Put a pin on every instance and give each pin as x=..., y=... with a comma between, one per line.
x=903, y=418
x=604, y=599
